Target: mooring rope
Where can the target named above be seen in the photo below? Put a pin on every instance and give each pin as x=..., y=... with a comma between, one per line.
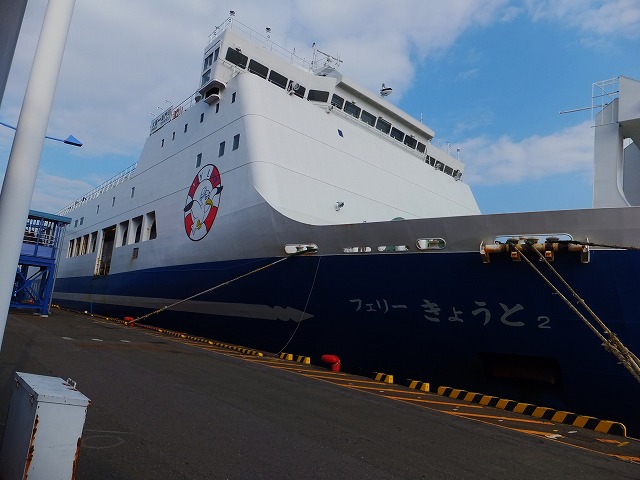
x=224, y=284
x=592, y=244
x=304, y=311
x=612, y=343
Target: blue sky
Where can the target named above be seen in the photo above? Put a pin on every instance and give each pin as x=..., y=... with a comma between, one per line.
x=489, y=76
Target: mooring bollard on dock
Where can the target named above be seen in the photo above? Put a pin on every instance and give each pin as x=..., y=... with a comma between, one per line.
x=43, y=430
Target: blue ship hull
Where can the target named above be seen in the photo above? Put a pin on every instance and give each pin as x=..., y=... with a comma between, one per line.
x=444, y=318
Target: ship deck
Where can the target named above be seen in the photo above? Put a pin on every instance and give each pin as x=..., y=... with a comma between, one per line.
x=177, y=407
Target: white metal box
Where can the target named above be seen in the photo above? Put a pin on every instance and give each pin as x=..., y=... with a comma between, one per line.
x=43, y=429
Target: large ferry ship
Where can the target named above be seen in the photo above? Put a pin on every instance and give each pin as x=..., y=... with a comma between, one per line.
x=282, y=206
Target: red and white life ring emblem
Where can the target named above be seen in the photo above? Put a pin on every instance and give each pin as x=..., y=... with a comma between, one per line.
x=202, y=202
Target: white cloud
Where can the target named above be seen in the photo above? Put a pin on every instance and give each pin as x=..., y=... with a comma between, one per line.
x=124, y=58
x=508, y=161
x=53, y=193
x=595, y=17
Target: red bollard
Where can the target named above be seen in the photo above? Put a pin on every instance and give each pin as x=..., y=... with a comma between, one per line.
x=333, y=361
x=129, y=321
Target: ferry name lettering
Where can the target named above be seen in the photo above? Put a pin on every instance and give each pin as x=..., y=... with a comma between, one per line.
x=374, y=306
x=431, y=311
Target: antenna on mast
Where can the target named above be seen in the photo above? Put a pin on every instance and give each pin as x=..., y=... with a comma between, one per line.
x=330, y=60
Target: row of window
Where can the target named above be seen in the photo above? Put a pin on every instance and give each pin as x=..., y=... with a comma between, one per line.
x=221, y=148
x=208, y=61
x=136, y=230
x=82, y=245
x=378, y=122
x=239, y=59
x=186, y=125
x=236, y=57
x=80, y=221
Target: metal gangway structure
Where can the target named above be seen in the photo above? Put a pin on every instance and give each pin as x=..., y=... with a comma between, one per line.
x=35, y=274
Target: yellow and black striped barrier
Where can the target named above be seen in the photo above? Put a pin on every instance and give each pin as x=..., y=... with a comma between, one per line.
x=418, y=385
x=383, y=377
x=298, y=358
x=567, y=418
x=236, y=348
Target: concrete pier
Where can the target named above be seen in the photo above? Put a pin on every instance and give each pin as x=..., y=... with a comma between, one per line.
x=165, y=406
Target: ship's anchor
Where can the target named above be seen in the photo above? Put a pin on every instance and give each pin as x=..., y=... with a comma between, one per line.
x=610, y=340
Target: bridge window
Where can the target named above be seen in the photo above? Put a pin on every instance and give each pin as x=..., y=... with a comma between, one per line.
x=236, y=57
x=318, y=96
x=337, y=101
x=397, y=134
x=298, y=89
x=368, y=118
x=383, y=125
x=351, y=109
x=208, y=61
x=206, y=76
x=277, y=79
x=258, y=69
x=422, y=148
x=409, y=141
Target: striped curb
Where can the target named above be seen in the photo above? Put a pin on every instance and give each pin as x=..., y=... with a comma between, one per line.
x=298, y=358
x=418, y=385
x=558, y=416
x=383, y=377
x=236, y=348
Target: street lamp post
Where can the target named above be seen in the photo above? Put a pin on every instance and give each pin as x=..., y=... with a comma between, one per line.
x=22, y=168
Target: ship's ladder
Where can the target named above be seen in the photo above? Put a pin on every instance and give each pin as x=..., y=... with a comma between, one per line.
x=610, y=340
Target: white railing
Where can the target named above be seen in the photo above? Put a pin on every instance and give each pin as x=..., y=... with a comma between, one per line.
x=263, y=40
x=99, y=190
x=602, y=94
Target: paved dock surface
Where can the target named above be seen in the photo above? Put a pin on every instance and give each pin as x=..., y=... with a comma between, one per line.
x=165, y=407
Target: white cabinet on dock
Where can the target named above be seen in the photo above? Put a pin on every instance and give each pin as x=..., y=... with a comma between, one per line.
x=43, y=429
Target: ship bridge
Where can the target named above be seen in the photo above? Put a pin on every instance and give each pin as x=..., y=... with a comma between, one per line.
x=616, y=176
